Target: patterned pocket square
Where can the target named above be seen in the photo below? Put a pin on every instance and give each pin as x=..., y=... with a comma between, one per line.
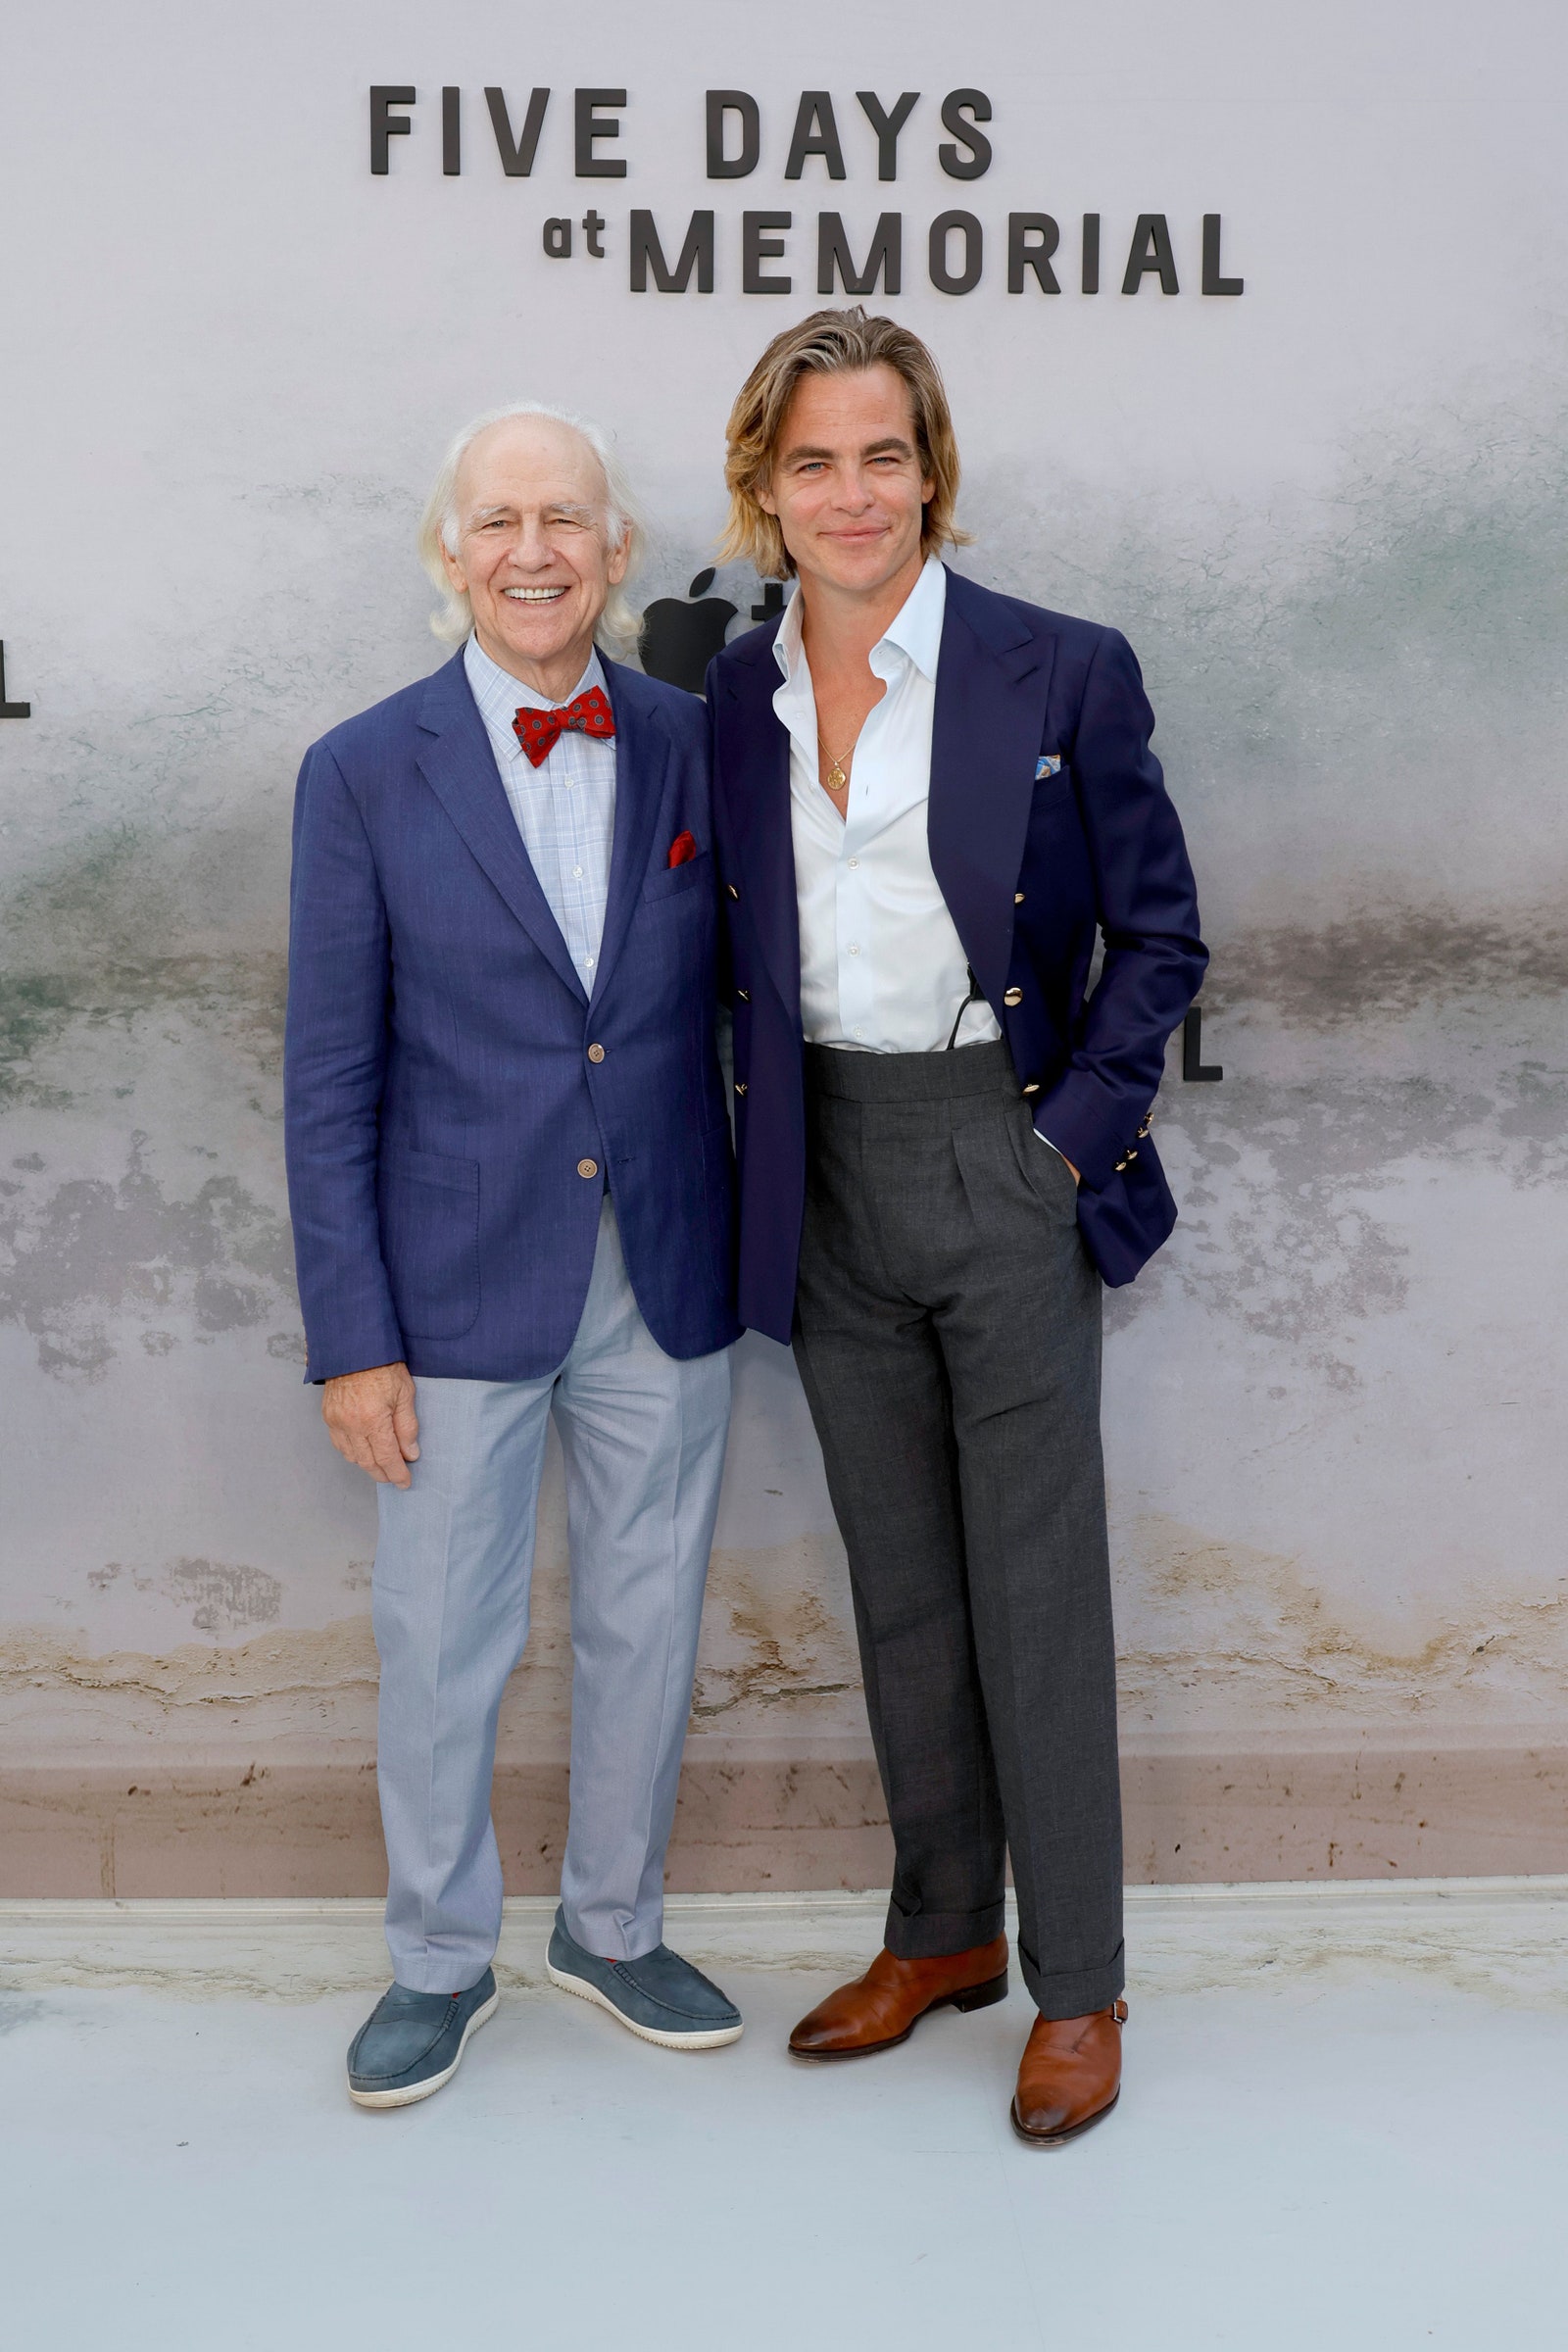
x=1049, y=766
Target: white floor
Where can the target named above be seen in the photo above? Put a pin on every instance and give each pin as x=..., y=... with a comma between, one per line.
x=1344, y=2125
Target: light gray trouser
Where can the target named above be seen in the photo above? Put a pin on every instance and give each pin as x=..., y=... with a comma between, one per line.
x=643, y=1437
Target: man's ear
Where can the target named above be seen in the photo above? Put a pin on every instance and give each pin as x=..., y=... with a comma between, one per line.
x=617, y=560
x=455, y=572
x=763, y=495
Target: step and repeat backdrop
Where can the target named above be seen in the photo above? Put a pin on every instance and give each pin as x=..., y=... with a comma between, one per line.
x=1253, y=324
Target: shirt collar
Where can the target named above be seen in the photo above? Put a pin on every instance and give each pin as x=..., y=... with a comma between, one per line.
x=500, y=695
x=915, y=629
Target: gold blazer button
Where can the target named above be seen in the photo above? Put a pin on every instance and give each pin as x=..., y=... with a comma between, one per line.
x=587, y=1167
x=1014, y=996
x=596, y=1052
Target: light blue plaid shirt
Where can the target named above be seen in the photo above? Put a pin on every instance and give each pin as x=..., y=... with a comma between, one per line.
x=565, y=808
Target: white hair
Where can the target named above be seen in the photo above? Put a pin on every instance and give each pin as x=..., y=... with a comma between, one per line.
x=619, y=623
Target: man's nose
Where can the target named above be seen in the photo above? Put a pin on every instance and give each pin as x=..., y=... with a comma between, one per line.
x=857, y=491
x=531, y=550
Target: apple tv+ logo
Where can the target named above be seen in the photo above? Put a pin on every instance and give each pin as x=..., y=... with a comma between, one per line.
x=680, y=640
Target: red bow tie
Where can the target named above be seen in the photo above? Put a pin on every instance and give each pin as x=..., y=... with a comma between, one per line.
x=539, y=731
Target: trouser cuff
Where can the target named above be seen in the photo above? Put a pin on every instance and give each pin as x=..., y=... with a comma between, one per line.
x=935, y=1934
x=447, y=1977
x=1075, y=1992
x=635, y=1942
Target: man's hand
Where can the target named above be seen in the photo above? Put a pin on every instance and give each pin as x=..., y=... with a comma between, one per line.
x=1071, y=1170
x=370, y=1419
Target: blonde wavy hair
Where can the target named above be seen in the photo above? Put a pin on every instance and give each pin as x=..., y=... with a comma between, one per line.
x=620, y=622
x=832, y=343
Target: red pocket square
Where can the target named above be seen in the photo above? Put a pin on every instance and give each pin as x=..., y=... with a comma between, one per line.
x=682, y=850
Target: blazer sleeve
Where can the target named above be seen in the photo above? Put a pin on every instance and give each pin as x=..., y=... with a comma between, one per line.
x=1147, y=908
x=334, y=1068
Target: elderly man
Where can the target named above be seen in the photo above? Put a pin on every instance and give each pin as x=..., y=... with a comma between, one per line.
x=930, y=799
x=510, y=1178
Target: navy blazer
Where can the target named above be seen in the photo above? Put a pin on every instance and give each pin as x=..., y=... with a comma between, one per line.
x=1032, y=867
x=438, y=1088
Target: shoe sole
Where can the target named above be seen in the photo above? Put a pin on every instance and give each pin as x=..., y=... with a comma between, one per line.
x=715, y=2039
x=426, y=2090
x=1059, y=2139
x=975, y=1996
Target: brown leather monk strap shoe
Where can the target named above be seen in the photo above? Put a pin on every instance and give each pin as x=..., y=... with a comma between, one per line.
x=882, y=2008
x=1070, y=2076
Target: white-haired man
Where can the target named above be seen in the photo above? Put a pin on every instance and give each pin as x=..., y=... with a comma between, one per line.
x=511, y=1184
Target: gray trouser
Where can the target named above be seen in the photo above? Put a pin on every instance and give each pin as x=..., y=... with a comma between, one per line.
x=948, y=1331
x=643, y=1437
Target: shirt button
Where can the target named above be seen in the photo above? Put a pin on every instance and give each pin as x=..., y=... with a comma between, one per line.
x=854, y=950
x=576, y=873
x=587, y=1167
x=596, y=1052
x=589, y=961
x=854, y=864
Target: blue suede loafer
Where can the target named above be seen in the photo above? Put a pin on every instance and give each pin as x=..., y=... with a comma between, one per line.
x=661, y=1997
x=411, y=2043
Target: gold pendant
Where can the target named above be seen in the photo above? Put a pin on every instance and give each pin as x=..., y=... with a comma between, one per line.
x=836, y=778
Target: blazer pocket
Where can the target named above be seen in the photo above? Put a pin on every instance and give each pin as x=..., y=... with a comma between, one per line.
x=429, y=1203
x=1054, y=793
x=696, y=873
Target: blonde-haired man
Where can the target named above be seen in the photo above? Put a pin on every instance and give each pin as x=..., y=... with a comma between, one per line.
x=510, y=1170
x=928, y=799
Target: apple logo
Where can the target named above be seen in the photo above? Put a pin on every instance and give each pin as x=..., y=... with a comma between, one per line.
x=678, y=641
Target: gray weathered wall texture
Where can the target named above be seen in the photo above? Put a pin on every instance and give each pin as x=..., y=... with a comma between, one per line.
x=1331, y=515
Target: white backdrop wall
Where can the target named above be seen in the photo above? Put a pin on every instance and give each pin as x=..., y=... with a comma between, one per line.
x=1330, y=514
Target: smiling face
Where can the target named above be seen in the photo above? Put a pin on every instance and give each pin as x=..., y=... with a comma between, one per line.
x=533, y=550
x=847, y=485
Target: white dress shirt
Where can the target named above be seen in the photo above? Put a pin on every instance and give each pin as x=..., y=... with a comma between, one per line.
x=882, y=967
x=565, y=808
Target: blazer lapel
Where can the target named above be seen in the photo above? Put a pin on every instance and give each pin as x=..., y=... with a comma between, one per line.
x=642, y=761
x=756, y=753
x=458, y=763
x=992, y=680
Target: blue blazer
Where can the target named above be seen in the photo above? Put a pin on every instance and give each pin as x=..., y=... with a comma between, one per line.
x=438, y=1089
x=1032, y=865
